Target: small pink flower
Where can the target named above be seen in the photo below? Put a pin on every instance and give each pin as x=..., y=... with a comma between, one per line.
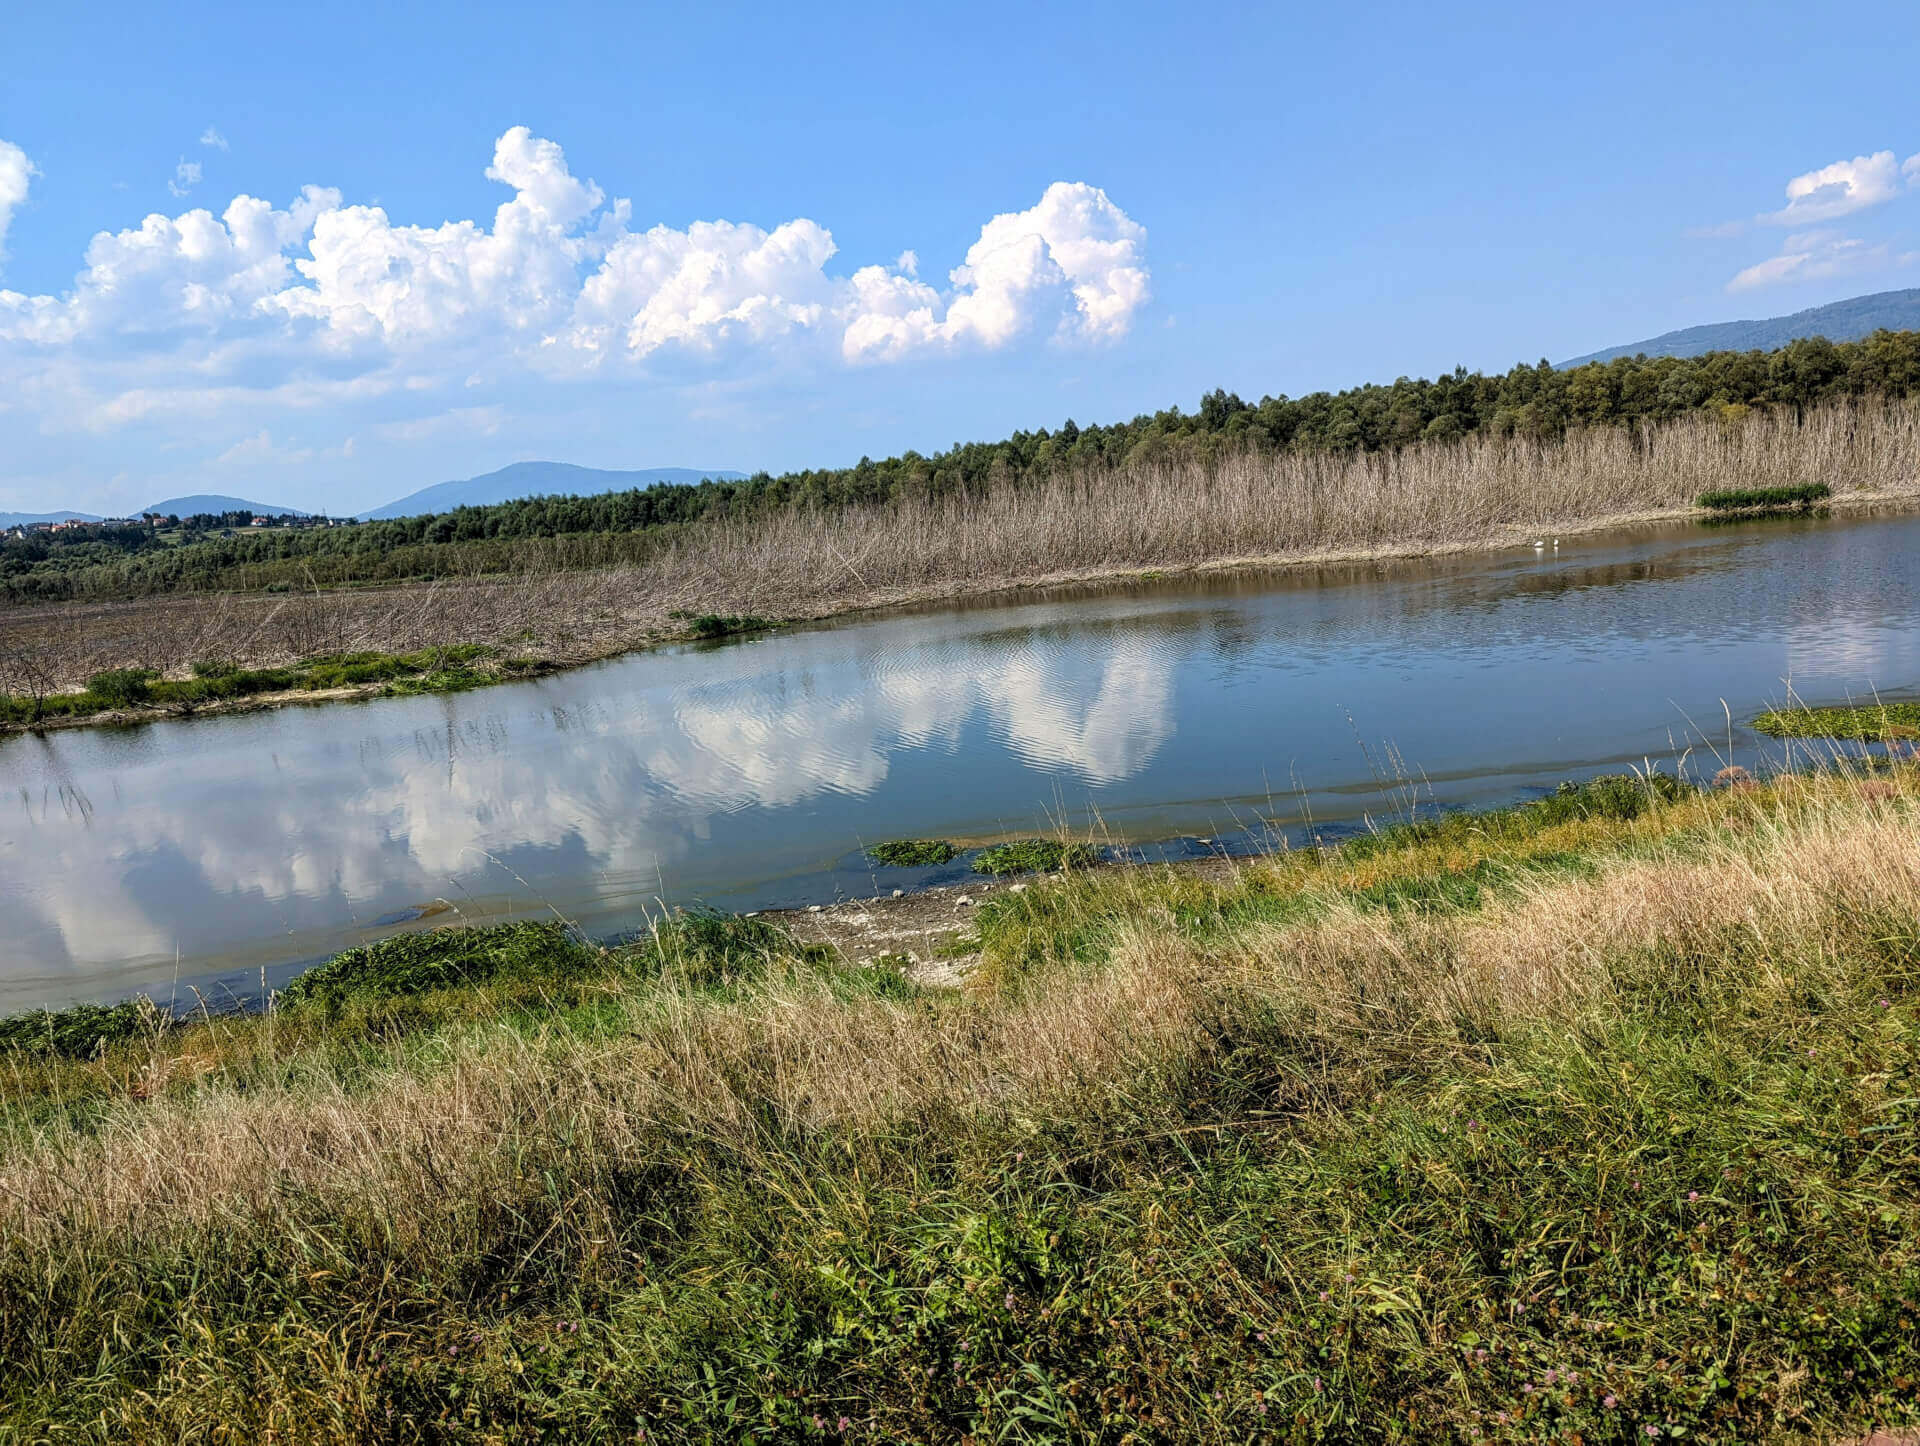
x=1260, y=1336
x=1609, y=1400
x=1316, y=1385
x=844, y=1423
x=1693, y=1194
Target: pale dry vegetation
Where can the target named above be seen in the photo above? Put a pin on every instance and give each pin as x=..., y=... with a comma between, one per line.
x=1256, y=1157
x=1269, y=509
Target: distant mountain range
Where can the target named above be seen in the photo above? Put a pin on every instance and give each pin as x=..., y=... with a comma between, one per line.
x=213, y=502
x=509, y=484
x=537, y=479
x=1839, y=321
x=27, y=519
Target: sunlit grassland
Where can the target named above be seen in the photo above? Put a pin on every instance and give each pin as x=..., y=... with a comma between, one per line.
x=1597, y=1116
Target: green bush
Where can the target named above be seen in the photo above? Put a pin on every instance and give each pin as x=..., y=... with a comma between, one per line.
x=1737, y=498
x=1034, y=855
x=715, y=625
x=122, y=687
x=912, y=853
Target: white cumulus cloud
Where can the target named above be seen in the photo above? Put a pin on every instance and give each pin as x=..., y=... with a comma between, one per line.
x=186, y=176
x=16, y=171
x=1841, y=189
x=211, y=138
x=292, y=302
x=217, y=333
x=1812, y=256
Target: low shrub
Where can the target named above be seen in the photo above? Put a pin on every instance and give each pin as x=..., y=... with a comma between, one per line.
x=715, y=625
x=122, y=687
x=1737, y=498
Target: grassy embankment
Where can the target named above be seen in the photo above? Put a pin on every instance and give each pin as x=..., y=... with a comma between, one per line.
x=215, y=685
x=1593, y=1120
x=570, y=599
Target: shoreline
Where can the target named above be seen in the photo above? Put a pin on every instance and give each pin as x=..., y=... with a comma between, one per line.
x=649, y=638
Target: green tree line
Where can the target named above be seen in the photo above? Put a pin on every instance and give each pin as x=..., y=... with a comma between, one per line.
x=1532, y=401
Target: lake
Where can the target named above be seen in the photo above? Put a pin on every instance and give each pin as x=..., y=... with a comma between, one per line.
x=220, y=852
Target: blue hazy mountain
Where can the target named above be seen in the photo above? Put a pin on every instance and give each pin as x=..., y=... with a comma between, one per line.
x=1838, y=321
x=208, y=502
x=537, y=479
x=27, y=519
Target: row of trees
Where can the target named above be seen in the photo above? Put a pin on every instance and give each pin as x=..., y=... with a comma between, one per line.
x=1538, y=401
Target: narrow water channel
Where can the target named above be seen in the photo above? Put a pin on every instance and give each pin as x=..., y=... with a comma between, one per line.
x=215, y=852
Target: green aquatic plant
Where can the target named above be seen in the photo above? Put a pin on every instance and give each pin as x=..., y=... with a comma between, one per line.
x=1870, y=722
x=912, y=853
x=1741, y=498
x=1034, y=855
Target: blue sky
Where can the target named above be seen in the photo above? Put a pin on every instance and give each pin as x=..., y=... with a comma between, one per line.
x=1141, y=203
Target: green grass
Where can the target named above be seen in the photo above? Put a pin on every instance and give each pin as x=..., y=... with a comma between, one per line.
x=427, y=670
x=715, y=1186
x=1034, y=855
x=717, y=625
x=912, y=853
x=1872, y=722
x=1741, y=498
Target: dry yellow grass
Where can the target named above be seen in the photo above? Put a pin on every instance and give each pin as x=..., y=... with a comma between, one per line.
x=1793, y=877
x=1273, y=1157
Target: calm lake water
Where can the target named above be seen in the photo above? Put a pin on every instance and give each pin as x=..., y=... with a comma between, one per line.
x=750, y=774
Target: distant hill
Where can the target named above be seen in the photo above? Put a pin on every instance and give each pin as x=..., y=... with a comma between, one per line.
x=27, y=519
x=1838, y=321
x=537, y=479
x=213, y=502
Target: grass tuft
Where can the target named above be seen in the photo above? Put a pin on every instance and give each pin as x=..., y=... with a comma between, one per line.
x=1035, y=855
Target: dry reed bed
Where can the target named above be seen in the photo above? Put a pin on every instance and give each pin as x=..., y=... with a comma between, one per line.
x=1789, y=886
x=801, y=563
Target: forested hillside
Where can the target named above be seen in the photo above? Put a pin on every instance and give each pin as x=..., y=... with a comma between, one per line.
x=1532, y=402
